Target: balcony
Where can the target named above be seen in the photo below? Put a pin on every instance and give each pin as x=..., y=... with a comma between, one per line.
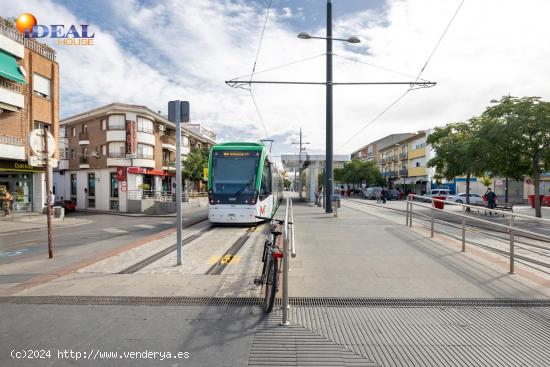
x=403, y=172
x=12, y=147
x=11, y=95
x=83, y=138
x=63, y=164
x=403, y=155
x=30, y=43
x=389, y=174
x=84, y=162
x=394, y=158
x=168, y=142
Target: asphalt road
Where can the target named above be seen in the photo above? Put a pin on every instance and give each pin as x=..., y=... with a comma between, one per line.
x=72, y=244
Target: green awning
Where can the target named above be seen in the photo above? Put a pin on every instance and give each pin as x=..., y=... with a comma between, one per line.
x=9, y=68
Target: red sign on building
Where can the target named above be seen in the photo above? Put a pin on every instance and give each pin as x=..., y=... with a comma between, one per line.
x=131, y=144
x=121, y=174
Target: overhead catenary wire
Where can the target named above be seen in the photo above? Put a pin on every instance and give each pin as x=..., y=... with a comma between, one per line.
x=398, y=99
x=377, y=66
x=254, y=69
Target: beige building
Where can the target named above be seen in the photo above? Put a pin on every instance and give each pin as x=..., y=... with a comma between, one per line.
x=119, y=151
x=29, y=99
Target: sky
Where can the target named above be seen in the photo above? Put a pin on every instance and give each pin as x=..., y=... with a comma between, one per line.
x=150, y=52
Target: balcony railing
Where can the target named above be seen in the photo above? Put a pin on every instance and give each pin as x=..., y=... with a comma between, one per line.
x=389, y=174
x=84, y=160
x=403, y=172
x=403, y=155
x=117, y=155
x=83, y=136
x=29, y=43
x=11, y=86
x=166, y=139
x=394, y=158
x=11, y=140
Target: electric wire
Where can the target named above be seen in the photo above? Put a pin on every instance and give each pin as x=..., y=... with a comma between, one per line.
x=278, y=67
x=377, y=66
x=411, y=86
x=254, y=69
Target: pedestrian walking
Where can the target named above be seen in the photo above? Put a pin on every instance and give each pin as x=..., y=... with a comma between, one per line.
x=384, y=195
x=491, y=200
x=7, y=201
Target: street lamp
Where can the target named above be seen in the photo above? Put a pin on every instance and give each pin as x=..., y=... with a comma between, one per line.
x=329, y=102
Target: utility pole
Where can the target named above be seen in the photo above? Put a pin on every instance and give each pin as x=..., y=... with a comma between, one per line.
x=299, y=160
x=48, y=198
x=329, y=114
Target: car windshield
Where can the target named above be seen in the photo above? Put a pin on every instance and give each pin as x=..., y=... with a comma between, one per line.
x=234, y=171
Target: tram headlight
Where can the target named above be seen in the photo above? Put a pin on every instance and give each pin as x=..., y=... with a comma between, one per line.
x=210, y=197
x=254, y=197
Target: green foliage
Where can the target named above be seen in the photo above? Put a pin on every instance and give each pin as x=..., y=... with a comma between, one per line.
x=194, y=164
x=286, y=183
x=357, y=171
x=144, y=186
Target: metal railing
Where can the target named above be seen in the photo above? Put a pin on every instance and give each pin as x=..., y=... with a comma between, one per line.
x=164, y=196
x=83, y=135
x=11, y=86
x=511, y=228
x=29, y=43
x=11, y=140
x=289, y=248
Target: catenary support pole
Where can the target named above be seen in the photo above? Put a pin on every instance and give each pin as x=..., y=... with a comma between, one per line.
x=48, y=198
x=329, y=114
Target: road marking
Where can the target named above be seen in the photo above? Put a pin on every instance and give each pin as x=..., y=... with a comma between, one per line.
x=4, y=255
x=173, y=222
x=226, y=260
x=114, y=230
x=147, y=226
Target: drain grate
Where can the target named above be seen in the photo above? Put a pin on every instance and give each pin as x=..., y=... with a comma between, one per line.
x=294, y=301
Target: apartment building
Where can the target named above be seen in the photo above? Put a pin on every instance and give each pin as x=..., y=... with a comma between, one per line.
x=372, y=151
x=29, y=99
x=113, y=153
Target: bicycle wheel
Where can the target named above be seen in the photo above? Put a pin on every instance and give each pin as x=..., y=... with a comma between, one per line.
x=271, y=285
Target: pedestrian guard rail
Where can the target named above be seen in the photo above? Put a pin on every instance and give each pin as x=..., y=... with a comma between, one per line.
x=289, y=248
x=511, y=227
x=164, y=196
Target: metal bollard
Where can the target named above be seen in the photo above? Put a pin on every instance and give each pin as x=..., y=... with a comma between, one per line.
x=463, y=229
x=511, y=245
x=411, y=216
x=407, y=214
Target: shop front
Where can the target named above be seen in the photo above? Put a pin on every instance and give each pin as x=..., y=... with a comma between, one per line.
x=25, y=183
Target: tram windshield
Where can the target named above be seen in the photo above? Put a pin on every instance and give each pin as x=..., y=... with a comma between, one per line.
x=234, y=172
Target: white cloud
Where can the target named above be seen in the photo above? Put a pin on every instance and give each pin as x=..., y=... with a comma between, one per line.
x=187, y=49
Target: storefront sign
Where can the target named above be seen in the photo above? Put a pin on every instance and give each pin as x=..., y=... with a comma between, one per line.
x=131, y=144
x=121, y=174
x=146, y=171
x=18, y=166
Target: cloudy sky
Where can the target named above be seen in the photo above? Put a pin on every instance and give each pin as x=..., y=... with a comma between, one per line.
x=149, y=52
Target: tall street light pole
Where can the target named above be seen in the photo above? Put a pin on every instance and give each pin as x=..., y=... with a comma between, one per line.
x=329, y=103
x=301, y=143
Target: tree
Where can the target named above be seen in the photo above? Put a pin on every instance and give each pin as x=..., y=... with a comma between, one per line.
x=194, y=164
x=521, y=132
x=286, y=183
x=459, y=152
x=357, y=171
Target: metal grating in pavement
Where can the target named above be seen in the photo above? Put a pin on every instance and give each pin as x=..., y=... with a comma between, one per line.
x=436, y=336
x=295, y=345
x=294, y=301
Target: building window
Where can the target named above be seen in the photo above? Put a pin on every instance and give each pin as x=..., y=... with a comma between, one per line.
x=117, y=149
x=73, y=184
x=41, y=125
x=41, y=85
x=91, y=184
x=91, y=203
x=62, y=132
x=84, y=128
x=144, y=125
x=104, y=149
x=185, y=141
x=114, y=185
x=117, y=122
x=104, y=124
x=65, y=153
x=145, y=151
x=73, y=131
x=73, y=154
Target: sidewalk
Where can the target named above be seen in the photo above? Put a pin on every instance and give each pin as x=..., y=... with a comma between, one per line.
x=33, y=221
x=370, y=253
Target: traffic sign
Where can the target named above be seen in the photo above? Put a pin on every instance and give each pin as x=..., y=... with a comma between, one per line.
x=123, y=184
x=123, y=188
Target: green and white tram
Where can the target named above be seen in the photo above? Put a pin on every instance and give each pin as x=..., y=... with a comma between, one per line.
x=243, y=182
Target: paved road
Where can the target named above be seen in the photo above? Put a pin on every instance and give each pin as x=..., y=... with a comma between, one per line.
x=33, y=243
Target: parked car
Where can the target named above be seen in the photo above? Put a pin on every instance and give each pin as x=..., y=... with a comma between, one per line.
x=436, y=192
x=461, y=198
x=393, y=195
x=372, y=193
x=67, y=204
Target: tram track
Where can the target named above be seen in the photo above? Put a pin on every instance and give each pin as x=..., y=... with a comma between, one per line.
x=520, y=244
x=219, y=266
x=160, y=254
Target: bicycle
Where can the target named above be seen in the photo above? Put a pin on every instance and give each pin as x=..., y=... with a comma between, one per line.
x=271, y=257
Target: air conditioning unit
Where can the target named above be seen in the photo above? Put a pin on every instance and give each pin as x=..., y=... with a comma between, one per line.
x=95, y=154
x=161, y=127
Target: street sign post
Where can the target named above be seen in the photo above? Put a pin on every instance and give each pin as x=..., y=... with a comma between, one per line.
x=178, y=112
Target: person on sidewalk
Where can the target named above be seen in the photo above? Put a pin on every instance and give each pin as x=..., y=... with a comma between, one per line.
x=51, y=200
x=491, y=200
x=384, y=195
x=8, y=199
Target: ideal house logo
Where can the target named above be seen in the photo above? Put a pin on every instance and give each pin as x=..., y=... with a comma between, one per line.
x=64, y=35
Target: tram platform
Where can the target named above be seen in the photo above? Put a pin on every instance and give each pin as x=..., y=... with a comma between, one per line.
x=369, y=252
